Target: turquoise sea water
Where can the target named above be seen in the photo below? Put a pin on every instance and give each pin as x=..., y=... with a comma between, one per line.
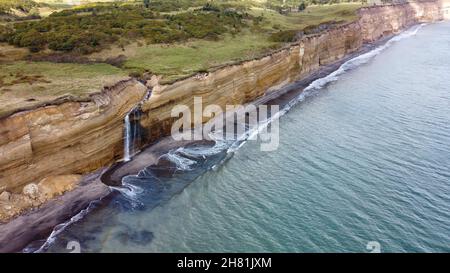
x=364, y=158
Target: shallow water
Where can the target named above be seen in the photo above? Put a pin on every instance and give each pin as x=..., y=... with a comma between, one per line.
x=363, y=158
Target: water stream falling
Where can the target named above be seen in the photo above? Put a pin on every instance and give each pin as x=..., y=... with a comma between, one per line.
x=132, y=130
x=126, y=151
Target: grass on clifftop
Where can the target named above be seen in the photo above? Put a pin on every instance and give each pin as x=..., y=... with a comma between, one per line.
x=313, y=15
x=25, y=84
x=183, y=59
x=180, y=60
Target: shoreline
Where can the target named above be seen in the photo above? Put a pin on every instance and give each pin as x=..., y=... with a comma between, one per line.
x=38, y=223
x=93, y=186
x=149, y=155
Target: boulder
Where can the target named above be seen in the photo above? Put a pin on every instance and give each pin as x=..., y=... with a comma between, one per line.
x=31, y=190
x=5, y=196
x=52, y=186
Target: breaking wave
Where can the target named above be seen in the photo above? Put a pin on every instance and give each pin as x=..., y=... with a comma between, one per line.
x=61, y=227
x=182, y=163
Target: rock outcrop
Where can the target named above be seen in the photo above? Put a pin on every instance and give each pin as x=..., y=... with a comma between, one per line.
x=34, y=195
x=80, y=137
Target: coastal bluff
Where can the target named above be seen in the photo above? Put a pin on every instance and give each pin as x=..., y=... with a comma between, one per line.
x=69, y=138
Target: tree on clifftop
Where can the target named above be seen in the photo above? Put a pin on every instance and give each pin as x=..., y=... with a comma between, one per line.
x=147, y=3
x=302, y=6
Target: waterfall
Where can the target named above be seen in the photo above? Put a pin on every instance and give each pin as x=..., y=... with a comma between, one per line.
x=128, y=140
x=132, y=130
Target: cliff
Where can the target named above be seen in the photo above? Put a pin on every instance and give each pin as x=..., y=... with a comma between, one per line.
x=72, y=137
x=382, y=20
x=80, y=137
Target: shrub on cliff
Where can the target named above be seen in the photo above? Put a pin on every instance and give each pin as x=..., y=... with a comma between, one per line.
x=210, y=7
x=286, y=36
x=22, y=5
x=302, y=6
x=5, y=32
x=69, y=31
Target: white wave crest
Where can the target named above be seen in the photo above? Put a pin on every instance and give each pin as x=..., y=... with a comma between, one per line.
x=61, y=227
x=182, y=163
x=129, y=190
x=202, y=151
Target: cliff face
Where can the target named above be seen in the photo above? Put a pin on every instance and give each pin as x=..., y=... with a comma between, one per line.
x=73, y=137
x=445, y=9
x=382, y=20
x=245, y=82
x=79, y=137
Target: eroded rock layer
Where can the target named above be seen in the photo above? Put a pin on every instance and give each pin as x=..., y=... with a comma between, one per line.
x=70, y=138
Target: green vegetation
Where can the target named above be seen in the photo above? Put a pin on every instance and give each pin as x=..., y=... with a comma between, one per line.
x=311, y=16
x=167, y=6
x=93, y=27
x=11, y=10
x=261, y=35
x=23, y=10
x=75, y=51
x=23, y=5
x=147, y=3
x=181, y=60
x=302, y=6
x=284, y=36
x=24, y=84
x=73, y=30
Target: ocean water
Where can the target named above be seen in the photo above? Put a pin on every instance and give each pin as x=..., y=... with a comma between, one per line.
x=364, y=156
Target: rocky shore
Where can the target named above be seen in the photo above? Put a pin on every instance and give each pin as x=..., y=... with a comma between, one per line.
x=38, y=223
